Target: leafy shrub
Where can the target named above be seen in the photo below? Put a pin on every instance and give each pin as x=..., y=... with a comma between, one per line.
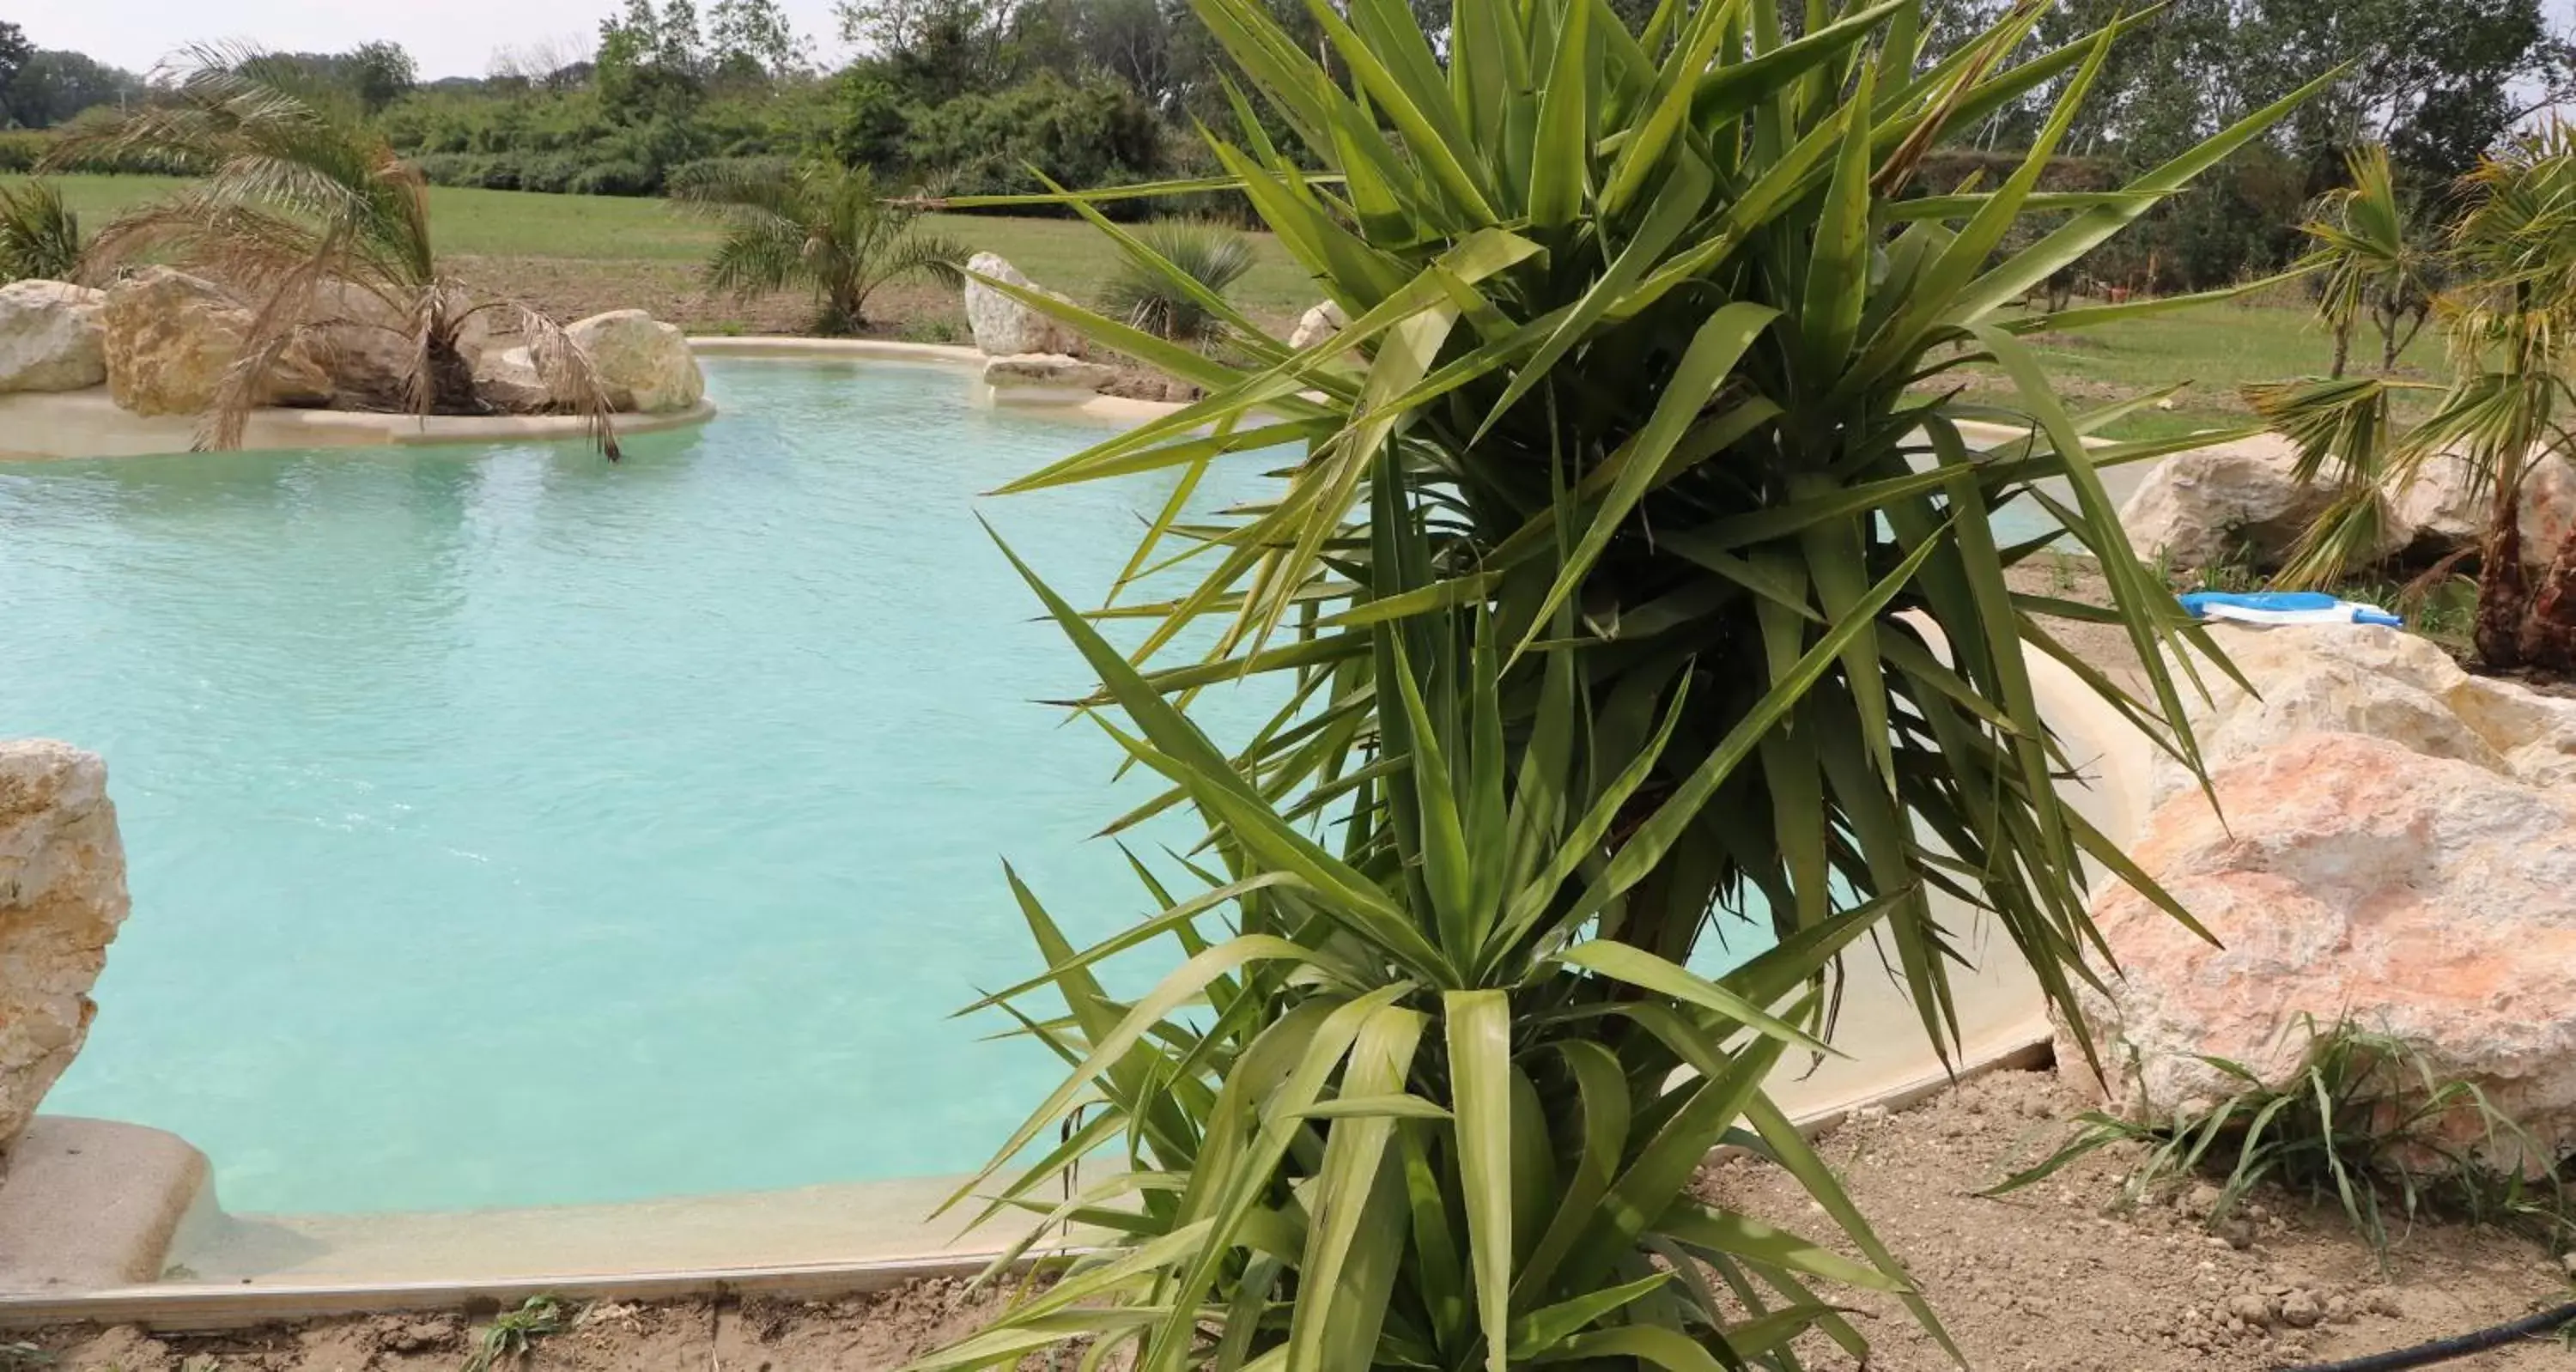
x=1150, y=298
x=2362, y=1121
x=39, y=234
x=1094, y=134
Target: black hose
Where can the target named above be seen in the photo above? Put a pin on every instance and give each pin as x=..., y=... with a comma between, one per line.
x=2443, y=1350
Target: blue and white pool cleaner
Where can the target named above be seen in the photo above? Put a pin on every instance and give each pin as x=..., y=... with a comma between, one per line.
x=2283, y=607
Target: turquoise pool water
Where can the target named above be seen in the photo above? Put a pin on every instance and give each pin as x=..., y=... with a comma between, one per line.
x=510, y=828
x=506, y=827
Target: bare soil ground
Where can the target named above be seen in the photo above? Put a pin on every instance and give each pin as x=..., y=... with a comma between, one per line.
x=2065, y=1277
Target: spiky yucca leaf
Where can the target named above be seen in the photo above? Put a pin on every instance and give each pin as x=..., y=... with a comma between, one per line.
x=1635, y=572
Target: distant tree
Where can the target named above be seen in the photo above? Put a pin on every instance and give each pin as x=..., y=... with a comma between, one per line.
x=381, y=72
x=648, y=61
x=752, y=39
x=834, y=230
x=14, y=52
x=51, y=87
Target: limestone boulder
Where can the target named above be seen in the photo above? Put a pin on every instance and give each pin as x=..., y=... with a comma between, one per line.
x=1047, y=371
x=2233, y=501
x=644, y=365
x=62, y=896
x=507, y=380
x=1317, y=324
x=169, y=337
x=2446, y=508
x=2377, y=681
x=1002, y=325
x=369, y=345
x=51, y=336
x=2351, y=878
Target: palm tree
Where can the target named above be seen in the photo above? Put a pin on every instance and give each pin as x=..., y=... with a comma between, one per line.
x=303, y=204
x=2367, y=240
x=818, y=224
x=39, y=234
x=1146, y=296
x=2508, y=317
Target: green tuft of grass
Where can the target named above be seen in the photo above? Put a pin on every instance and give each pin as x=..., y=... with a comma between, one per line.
x=2363, y=1122
x=515, y=1333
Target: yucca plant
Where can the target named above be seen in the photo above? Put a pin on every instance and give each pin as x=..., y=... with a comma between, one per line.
x=1408, y=1099
x=830, y=228
x=303, y=208
x=1147, y=297
x=39, y=235
x=1651, y=378
x=2508, y=312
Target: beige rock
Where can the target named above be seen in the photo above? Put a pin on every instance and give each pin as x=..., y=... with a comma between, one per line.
x=62, y=896
x=644, y=365
x=2444, y=506
x=2373, y=680
x=2344, y=678
x=1047, y=371
x=2233, y=501
x=369, y=345
x=1317, y=324
x=507, y=380
x=171, y=336
x=2424, y=897
x=51, y=338
x=1003, y=327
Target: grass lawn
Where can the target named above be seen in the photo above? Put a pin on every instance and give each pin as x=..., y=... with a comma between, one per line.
x=1066, y=254
x=575, y=254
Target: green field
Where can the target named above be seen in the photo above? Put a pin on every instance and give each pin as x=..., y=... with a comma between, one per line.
x=582, y=250
x=1064, y=253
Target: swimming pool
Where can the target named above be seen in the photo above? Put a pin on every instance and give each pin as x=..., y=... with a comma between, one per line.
x=510, y=828
x=507, y=827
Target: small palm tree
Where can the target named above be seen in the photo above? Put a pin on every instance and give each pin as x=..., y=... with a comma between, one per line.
x=1153, y=300
x=301, y=196
x=817, y=224
x=39, y=234
x=2510, y=317
x=2367, y=240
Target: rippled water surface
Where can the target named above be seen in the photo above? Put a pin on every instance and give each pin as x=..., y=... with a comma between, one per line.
x=507, y=827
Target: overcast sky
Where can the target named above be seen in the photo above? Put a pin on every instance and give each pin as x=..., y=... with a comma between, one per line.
x=447, y=37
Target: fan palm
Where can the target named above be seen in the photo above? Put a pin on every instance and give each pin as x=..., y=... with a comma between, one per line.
x=1635, y=524
x=1146, y=297
x=2510, y=257
x=816, y=224
x=39, y=234
x=304, y=208
x=2367, y=242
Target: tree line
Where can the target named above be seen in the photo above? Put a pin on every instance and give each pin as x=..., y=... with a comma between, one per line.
x=968, y=94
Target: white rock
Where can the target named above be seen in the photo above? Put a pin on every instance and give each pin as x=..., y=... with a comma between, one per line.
x=1003, y=326
x=2351, y=878
x=169, y=338
x=643, y=364
x=507, y=380
x=2443, y=505
x=51, y=337
x=1317, y=324
x=1046, y=371
x=2213, y=505
x=62, y=896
